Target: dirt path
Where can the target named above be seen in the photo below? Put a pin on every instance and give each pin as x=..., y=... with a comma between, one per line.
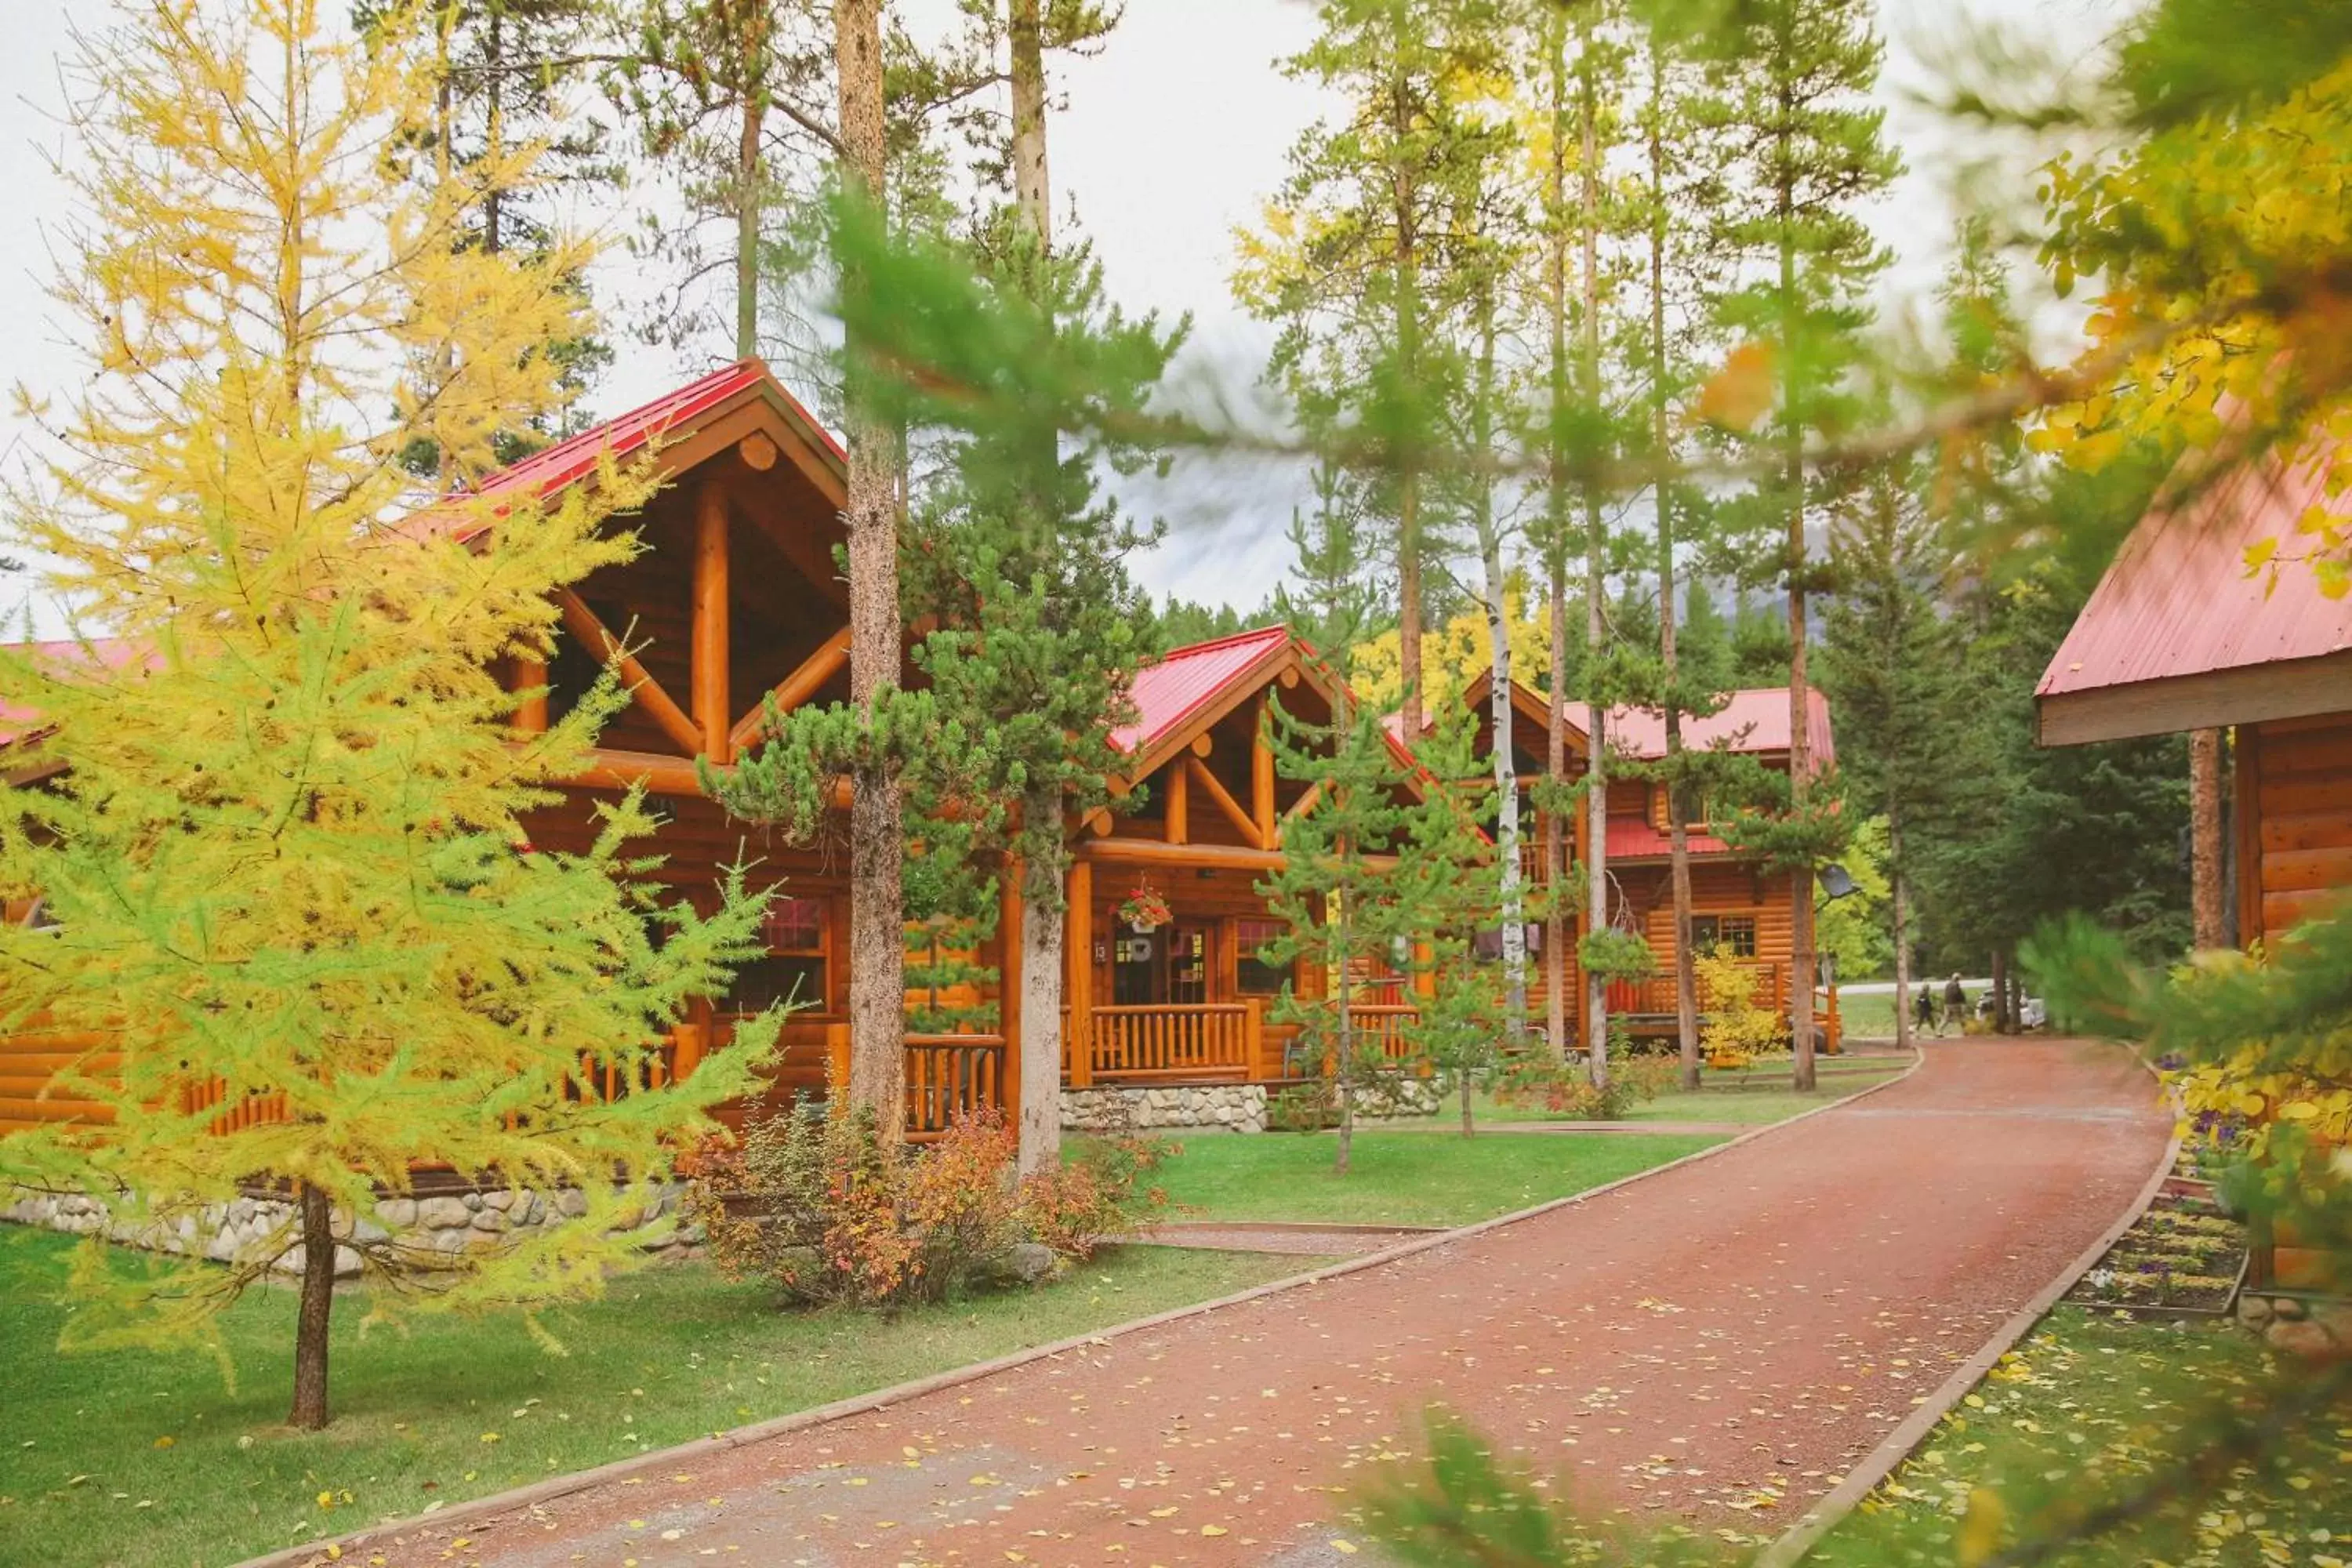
x=1715, y=1342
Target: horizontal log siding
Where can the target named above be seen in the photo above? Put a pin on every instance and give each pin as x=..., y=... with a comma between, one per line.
x=2295, y=843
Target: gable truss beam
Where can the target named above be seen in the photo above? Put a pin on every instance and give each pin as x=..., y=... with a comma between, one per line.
x=1208, y=784
x=642, y=687
x=805, y=680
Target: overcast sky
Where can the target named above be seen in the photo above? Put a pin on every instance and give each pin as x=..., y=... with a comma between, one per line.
x=1171, y=138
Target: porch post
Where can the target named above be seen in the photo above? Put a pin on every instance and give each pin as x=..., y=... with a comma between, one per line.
x=1178, y=808
x=1078, y=975
x=710, y=638
x=693, y=1039
x=526, y=673
x=1262, y=780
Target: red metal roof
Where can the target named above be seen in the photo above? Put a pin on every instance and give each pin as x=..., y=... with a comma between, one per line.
x=17, y=720
x=1755, y=720
x=575, y=458
x=1187, y=680
x=2178, y=600
x=1633, y=838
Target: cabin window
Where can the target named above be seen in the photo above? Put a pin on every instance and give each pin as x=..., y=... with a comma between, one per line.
x=1691, y=805
x=1733, y=936
x=797, y=968
x=1487, y=945
x=1253, y=976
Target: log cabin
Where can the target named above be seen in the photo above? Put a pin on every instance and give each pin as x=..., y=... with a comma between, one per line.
x=736, y=596
x=2181, y=634
x=1186, y=1001
x=1738, y=906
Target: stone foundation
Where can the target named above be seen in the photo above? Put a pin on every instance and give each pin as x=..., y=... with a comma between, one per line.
x=450, y=1221
x=1224, y=1107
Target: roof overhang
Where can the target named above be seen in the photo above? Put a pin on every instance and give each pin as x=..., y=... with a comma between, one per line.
x=2245, y=694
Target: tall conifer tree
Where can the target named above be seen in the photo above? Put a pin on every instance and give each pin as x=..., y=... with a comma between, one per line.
x=1352, y=249
x=1804, y=150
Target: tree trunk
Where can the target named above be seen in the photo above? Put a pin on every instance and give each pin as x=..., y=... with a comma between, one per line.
x=1898, y=886
x=1346, y=1035
x=2205, y=838
x=1596, y=625
x=1498, y=654
x=1031, y=193
x=747, y=230
x=1041, y=922
x=2000, y=991
x=494, y=131
x=318, y=1302
x=1408, y=282
x=877, y=1020
x=1678, y=874
x=1792, y=436
x=1557, y=924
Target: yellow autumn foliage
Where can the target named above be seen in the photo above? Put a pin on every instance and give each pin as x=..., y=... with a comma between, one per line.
x=2260, y=338
x=1455, y=654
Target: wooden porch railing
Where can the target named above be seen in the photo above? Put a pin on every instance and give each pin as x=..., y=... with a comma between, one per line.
x=1654, y=994
x=1386, y=1023
x=947, y=1076
x=1195, y=1042
x=1655, y=997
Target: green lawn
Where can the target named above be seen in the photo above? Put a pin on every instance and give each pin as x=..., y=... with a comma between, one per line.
x=2082, y=1408
x=1750, y=1096
x=1401, y=1178
x=136, y=1459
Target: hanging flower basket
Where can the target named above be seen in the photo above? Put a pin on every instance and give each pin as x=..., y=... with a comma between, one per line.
x=1144, y=909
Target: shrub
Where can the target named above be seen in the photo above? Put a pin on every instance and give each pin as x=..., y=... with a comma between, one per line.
x=1100, y=1196
x=813, y=1199
x=1735, y=1029
x=1563, y=1089
x=1308, y=1106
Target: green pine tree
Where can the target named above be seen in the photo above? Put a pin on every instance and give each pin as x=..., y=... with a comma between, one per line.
x=1337, y=893
x=1803, y=149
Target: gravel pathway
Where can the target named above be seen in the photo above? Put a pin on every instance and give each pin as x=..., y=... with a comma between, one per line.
x=1715, y=1342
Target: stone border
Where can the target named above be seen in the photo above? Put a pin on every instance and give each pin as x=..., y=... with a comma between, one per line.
x=1790, y=1546
x=314, y=1553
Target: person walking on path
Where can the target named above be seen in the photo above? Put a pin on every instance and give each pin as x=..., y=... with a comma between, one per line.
x=1955, y=1004
x=1922, y=1010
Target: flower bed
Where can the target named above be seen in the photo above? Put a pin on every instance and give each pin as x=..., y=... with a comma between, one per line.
x=2183, y=1256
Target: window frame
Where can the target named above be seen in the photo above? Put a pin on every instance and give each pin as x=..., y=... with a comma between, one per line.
x=1245, y=957
x=820, y=906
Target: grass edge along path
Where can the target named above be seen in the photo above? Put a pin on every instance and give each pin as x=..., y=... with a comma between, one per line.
x=1864, y=1478
x=487, y=1509
x=2090, y=1397
x=95, y=1467
x=1422, y=1178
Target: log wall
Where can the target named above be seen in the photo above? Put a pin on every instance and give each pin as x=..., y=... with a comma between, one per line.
x=2293, y=821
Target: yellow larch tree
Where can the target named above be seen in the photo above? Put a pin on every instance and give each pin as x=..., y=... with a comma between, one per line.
x=299, y=945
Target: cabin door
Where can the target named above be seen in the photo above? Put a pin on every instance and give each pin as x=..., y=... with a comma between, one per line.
x=1191, y=951
x=1167, y=966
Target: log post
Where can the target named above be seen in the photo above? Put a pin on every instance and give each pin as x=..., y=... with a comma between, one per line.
x=836, y=1057
x=1079, y=982
x=1254, y=1037
x=693, y=1039
x=1262, y=780
x=528, y=674
x=1178, y=808
x=711, y=714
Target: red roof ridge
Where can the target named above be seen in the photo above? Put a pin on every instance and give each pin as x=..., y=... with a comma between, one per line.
x=1191, y=648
